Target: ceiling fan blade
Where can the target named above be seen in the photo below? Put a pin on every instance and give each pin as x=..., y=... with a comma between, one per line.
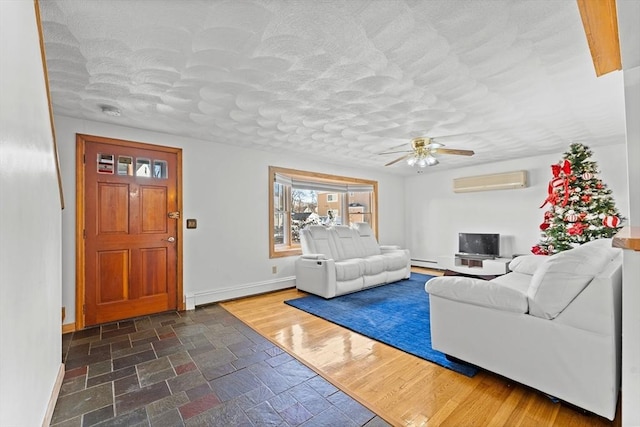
x=393, y=152
x=454, y=151
x=398, y=159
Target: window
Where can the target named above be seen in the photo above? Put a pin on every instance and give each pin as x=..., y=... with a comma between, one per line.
x=298, y=199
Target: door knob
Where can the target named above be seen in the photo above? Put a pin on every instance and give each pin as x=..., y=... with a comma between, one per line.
x=171, y=239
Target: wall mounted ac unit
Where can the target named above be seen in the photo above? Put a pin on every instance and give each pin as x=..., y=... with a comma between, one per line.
x=497, y=181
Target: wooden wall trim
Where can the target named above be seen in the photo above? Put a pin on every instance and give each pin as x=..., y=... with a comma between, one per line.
x=54, y=397
x=628, y=238
x=46, y=83
x=600, y=22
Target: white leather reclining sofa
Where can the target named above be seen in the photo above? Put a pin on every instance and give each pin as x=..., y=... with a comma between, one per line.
x=338, y=260
x=553, y=323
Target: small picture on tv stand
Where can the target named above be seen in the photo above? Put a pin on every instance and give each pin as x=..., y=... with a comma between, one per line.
x=481, y=245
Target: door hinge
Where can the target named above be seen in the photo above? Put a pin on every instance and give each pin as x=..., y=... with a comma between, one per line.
x=84, y=158
x=84, y=233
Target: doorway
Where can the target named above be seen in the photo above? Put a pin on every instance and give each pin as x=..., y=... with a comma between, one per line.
x=128, y=229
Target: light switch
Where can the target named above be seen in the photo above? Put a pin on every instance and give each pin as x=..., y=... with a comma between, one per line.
x=192, y=223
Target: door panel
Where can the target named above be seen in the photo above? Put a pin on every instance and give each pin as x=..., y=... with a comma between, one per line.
x=115, y=220
x=153, y=204
x=130, y=242
x=112, y=276
x=154, y=280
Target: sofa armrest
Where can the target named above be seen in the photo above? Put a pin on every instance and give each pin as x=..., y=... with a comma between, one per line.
x=316, y=276
x=478, y=292
x=314, y=256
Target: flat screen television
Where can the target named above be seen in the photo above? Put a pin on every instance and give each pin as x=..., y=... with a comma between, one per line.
x=479, y=244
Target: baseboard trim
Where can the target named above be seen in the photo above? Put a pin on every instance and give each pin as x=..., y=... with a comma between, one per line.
x=217, y=295
x=68, y=327
x=54, y=397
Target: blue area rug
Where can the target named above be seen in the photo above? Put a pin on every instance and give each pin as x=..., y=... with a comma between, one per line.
x=396, y=314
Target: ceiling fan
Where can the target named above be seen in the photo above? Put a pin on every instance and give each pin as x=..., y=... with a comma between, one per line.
x=422, y=152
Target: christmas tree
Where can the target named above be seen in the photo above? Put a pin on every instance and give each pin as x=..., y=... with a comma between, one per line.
x=581, y=207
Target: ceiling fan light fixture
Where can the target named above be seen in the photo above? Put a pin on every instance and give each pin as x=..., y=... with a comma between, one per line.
x=422, y=163
x=411, y=161
x=431, y=161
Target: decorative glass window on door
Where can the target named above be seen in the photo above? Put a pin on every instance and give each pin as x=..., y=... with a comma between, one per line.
x=143, y=167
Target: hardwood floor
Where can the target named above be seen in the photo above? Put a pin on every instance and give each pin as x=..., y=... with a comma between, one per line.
x=402, y=389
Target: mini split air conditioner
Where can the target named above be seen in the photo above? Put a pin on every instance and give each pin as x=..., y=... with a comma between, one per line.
x=497, y=181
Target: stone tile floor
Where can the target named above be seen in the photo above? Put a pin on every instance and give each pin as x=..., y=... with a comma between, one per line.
x=196, y=368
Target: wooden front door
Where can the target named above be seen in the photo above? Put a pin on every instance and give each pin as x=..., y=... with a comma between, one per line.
x=129, y=229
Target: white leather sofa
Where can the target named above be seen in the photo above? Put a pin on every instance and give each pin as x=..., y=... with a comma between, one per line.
x=338, y=260
x=553, y=323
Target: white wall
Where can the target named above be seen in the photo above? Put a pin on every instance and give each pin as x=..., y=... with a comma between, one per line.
x=30, y=231
x=225, y=189
x=435, y=214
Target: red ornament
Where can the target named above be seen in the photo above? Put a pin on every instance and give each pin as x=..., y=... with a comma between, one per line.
x=544, y=226
x=611, y=221
x=548, y=215
x=582, y=215
x=572, y=178
x=538, y=250
x=571, y=218
x=557, y=182
x=586, y=198
x=587, y=175
x=599, y=185
x=577, y=228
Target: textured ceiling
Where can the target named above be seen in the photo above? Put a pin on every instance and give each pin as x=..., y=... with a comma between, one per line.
x=337, y=80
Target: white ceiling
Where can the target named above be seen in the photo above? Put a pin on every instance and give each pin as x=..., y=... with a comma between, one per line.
x=337, y=80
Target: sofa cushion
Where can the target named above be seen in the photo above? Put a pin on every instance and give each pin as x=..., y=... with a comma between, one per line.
x=514, y=280
x=316, y=239
x=374, y=264
x=395, y=260
x=564, y=275
x=606, y=245
x=349, y=269
x=346, y=243
x=367, y=240
x=527, y=264
x=478, y=292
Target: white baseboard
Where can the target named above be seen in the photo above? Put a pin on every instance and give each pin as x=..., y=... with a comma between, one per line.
x=239, y=291
x=54, y=397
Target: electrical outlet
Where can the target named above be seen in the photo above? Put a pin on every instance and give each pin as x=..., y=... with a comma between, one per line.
x=274, y=269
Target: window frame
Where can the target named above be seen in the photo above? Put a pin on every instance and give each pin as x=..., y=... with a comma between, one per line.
x=294, y=249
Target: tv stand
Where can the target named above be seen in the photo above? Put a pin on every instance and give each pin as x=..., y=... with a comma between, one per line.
x=475, y=265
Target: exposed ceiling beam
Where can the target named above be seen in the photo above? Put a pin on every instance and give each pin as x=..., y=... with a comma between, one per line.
x=600, y=21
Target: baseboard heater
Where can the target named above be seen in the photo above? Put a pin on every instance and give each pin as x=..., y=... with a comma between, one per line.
x=425, y=263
